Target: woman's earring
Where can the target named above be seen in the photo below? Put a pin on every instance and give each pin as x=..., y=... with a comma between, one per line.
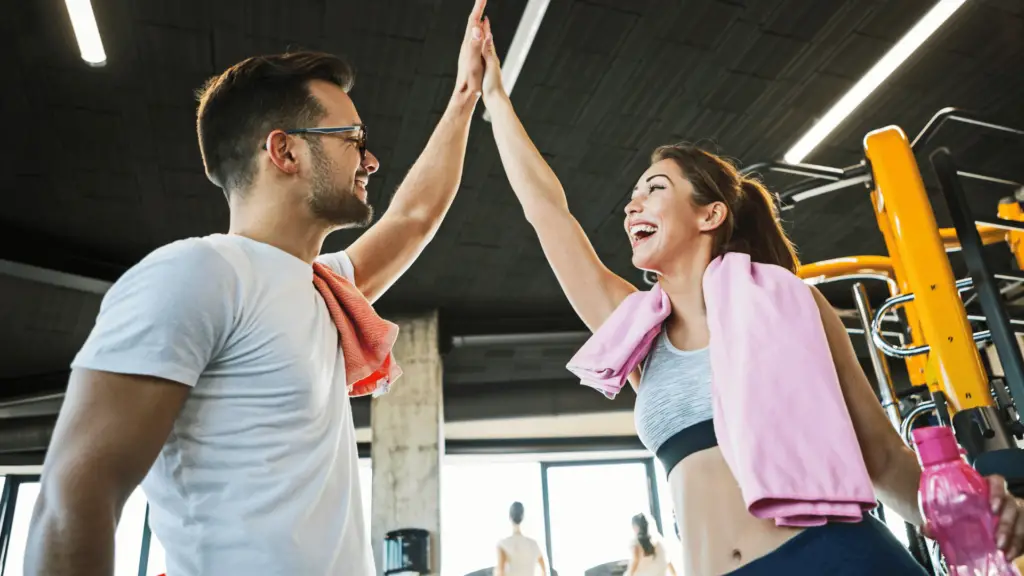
x=650, y=278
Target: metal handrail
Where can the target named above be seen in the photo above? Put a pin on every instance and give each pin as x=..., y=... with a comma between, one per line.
x=956, y=115
x=908, y=422
x=854, y=277
x=876, y=329
x=824, y=179
x=814, y=171
x=905, y=352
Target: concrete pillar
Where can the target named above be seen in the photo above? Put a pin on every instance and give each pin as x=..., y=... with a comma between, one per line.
x=408, y=441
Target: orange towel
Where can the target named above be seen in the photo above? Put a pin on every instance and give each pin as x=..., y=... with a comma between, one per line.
x=365, y=338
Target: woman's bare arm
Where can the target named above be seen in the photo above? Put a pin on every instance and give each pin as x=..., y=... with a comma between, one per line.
x=593, y=290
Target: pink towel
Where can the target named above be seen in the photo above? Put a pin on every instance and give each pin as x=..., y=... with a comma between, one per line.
x=780, y=418
x=365, y=338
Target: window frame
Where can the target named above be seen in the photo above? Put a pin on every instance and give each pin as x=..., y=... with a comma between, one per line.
x=652, y=489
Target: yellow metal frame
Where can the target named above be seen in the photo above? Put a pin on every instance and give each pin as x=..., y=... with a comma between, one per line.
x=848, y=265
x=917, y=366
x=989, y=235
x=901, y=201
x=1012, y=211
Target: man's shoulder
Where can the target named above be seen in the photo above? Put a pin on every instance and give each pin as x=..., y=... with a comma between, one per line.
x=182, y=266
x=207, y=254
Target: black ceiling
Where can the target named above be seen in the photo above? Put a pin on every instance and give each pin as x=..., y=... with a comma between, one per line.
x=100, y=165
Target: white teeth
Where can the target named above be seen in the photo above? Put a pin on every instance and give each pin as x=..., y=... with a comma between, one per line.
x=637, y=228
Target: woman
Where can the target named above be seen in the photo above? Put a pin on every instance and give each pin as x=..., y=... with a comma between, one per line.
x=518, y=555
x=649, y=557
x=687, y=208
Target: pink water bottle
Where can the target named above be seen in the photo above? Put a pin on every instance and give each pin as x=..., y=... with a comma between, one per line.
x=955, y=502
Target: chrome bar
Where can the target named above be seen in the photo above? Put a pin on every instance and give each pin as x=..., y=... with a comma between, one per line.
x=979, y=318
x=917, y=412
x=883, y=379
x=898, y=352
x=992, y=179
x=832, y=187
x=818, y=280
x=1012, y=225
x=809, y=170
x=876, y=329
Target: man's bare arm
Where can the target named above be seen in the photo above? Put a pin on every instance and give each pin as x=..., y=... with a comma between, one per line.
x=107, y=436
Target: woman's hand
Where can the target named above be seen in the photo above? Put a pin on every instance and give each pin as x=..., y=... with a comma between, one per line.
x=1010, y=513
x=1010, y=532
x=492, y=86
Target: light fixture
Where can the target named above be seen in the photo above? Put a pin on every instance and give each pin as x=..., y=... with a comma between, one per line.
x=521, y=42
x=874, y=77
x=86, y=32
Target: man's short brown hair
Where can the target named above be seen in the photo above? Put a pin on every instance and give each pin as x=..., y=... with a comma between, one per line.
x=238, y=108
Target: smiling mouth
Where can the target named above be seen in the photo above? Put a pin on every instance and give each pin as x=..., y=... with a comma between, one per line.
x=638, y=233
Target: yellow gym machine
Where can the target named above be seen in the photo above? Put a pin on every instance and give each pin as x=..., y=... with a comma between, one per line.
x=975, y=395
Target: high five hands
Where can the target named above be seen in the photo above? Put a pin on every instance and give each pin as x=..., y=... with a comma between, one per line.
x=470, y=76
x=479, y=68
x=492, y=86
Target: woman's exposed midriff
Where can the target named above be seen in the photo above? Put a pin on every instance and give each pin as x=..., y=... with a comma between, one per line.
x=718, y=534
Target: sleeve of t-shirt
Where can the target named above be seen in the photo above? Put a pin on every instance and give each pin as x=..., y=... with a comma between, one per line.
x=166, y=317
x=340, y=263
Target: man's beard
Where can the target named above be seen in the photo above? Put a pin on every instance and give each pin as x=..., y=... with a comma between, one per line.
x=336, y=204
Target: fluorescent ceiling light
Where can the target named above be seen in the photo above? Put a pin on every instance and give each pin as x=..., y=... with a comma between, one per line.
x=866, y=85
x=521, y=42
x=86, y=32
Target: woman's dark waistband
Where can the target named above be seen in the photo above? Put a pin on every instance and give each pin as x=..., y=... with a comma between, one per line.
x=700, y=436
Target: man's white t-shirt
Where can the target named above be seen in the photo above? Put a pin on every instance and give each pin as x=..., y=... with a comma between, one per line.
x=259, y=474
x=522, y=555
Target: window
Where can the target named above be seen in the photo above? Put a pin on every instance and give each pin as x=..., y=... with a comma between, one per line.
x=28, y=492
x=591, y=510
x=127, y=539
x=475, y=501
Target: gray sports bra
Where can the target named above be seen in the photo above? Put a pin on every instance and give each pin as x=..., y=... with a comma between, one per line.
x=673, y=411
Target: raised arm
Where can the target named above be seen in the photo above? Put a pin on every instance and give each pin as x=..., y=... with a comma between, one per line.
x=384, y=252
x=892, y=465
x=593, y=290
x=110, y=430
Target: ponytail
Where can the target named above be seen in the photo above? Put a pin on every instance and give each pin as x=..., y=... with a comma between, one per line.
x=752, y=223
x=643, y=536
x=756, y=228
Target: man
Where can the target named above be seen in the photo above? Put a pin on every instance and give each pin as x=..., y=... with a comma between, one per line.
x=214, y=369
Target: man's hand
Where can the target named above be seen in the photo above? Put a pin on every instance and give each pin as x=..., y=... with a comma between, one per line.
x=471, y=63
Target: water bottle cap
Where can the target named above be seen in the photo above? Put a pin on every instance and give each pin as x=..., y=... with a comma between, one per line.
x=932, y=433
x=936, y=444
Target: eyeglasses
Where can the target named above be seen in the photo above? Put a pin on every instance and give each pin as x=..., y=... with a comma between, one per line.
x=360, y=140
